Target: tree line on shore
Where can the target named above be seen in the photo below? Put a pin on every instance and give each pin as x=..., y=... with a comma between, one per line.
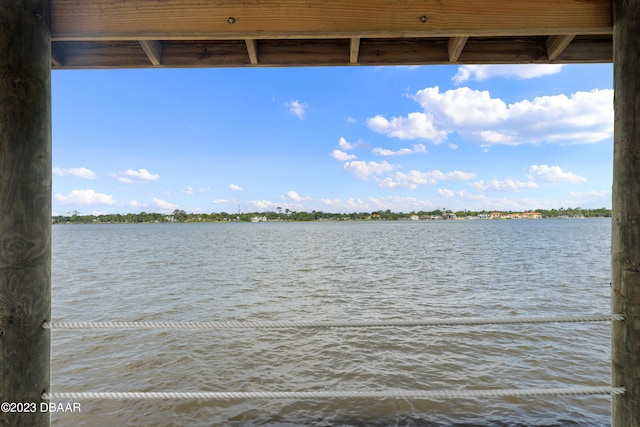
x=288, y=215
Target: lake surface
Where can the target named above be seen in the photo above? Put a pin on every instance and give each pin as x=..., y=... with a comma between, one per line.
x=334, y=271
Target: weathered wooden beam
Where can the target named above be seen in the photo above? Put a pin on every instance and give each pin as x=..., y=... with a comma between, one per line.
x=25, y=208
x=268, y=19
x=455, y=46
x=304, y=52
x=252, y=50
x=406, y=52
x=308, y=52
x=121, y=54
x=56, y=59
x=557, y=44
x=153, y=50
x=582, y=50
x=354, y=50
x=625, y=237
x=498, y=51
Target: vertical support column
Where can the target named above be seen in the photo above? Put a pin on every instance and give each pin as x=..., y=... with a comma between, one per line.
x=625, y=238
x=25, y=208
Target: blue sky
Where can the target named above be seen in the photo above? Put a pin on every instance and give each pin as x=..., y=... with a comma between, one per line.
x=344, y=139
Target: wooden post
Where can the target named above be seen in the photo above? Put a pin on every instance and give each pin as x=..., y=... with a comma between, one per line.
x=25, y=209
x=625, y=238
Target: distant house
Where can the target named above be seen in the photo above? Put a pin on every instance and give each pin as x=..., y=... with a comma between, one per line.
x=531, y=215
x=495, y=215
x=414, y=218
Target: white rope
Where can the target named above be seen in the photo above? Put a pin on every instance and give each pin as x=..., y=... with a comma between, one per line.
x=311, y=395
x=331, y=324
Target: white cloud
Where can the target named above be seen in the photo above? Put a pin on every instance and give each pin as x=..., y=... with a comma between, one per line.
x=552, y=174
x=537, y=175
x=297, y=108
x=352, y=204
x=84, y=198
x=396, y=204
x=342, y=156
x=220, y=201
x=262, y=204
x=235, y=187
x=364, y=169
x=296, y=197
x=582, y=117
x=345, y=145
x=189, y=191
x=413, y=178
x=417, y=148
x=465, y=176
x=445, y=192
x=591, y=198
x=164, y=205
x=462, y=106
x=131, y=176
x=414, y=126
x=508, y=185
x=520, y=71
x=137, y=204
x=592, y=193
x=386, y=152
x=77, y=172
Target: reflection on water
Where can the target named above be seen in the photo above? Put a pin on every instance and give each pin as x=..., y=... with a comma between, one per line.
x=329, y=271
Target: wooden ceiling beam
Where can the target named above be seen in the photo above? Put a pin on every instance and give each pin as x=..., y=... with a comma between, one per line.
x=252, y=50
x=354, y=50
x=327, y=52
x=282, y=19
x=153, y=50
x=557, y=44
x=56, y=57
x=96, y=55
x=455, y=46
x=585, y=50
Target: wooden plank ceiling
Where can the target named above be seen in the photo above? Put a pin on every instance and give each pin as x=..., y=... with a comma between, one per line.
x=254, y=33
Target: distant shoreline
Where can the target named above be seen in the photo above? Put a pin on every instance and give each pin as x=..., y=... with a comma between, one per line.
x=179, y=216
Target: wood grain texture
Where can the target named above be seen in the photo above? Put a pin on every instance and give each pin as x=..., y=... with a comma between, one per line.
x=625, y=238
x=455, y=46
x=557, y=44
x=587, y=50
x=153, y=50
x=302, y=52
x=354, y=49
x=141, y=33
x=25, y=206
x=252, y=51
x=242, y=19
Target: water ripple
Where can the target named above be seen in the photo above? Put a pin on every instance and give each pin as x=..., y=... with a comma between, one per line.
x=329, y=271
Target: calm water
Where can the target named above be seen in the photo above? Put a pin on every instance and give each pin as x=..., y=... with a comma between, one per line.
x=328, y=271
